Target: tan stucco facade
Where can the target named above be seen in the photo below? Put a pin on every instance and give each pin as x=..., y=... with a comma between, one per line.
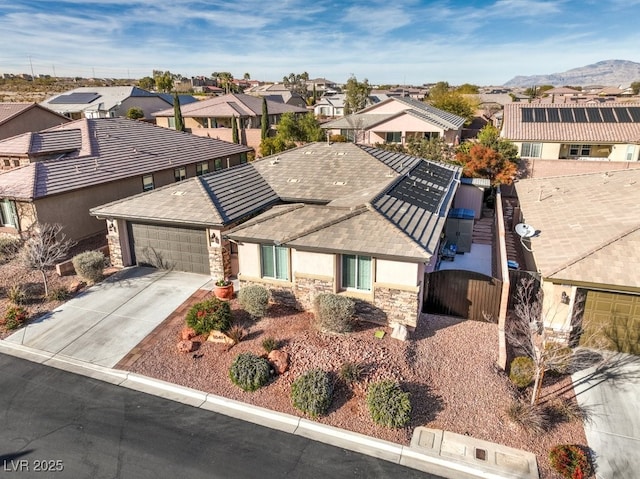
x=610, y=152
x=32, y=119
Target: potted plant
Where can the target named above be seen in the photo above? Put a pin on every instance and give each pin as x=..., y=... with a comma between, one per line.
x=223, y=289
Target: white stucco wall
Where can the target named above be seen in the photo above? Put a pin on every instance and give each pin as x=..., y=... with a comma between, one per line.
x=394, y=272
x=249, y=259
x=320, y=264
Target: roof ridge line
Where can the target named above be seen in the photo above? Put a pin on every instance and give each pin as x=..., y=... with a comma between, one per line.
x=287, y=208
x=391, y=224
x=209, y=199
x=350, y=214
x=591, y=251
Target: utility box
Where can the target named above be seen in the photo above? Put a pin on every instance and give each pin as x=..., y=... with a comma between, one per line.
x=459, y=228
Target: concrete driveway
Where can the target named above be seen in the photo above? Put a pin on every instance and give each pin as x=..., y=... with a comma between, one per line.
x=612, y=394
x=102, y=324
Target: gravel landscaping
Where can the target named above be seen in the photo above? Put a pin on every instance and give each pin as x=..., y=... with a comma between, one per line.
x=448, y=367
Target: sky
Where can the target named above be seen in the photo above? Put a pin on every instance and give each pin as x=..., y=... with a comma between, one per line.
x=404, y=42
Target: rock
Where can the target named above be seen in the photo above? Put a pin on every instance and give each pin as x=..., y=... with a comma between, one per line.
x=400, y=332
x=76, y=286
x=187, y=346
x=187, y=333
x=279, y=359
x=219, y=337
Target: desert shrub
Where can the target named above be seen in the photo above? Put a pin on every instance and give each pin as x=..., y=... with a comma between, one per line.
x=89, y=265
x=270, y=343
x=212, y=313
x=249, y=372
x=254, y=299
x=59, y=294
x=569, y=410
x=14, y=316
x=9, y=247
x=333, y=312
x=235, y=333
x=17, y=294
x=312, y=392
x=388, y=404
x=338, y=139
x=522, y=371
x=350, y=372
x=531, y=417
x=570, y=461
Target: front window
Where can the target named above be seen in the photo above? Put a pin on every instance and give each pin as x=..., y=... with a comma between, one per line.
x=274, y=261
x=8, y=215
x=356, y=272
x=531, y=150
x=172, y=122
x=243, y=158
x=393, y=137
x=202, y=168
x=147, y=182
x=217, y=164
x=580, y=150
x=431, y=135
x=180, y=173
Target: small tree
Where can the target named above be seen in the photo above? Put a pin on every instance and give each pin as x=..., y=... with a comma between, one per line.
x=177, y=113
x=147, y=83
x=356, y=95
x=235, y=137
x=135, y=113
x=264, y=120
x=46, y=246
x=484, y=162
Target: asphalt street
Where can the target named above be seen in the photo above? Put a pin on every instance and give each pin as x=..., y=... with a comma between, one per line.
x=61, y=425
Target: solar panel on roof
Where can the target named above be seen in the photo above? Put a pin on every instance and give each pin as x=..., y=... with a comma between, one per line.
x=424, y=187
x=552, y=115
x=527, y=115
x=623, y=115
x=540, y=115
x=594, y=115
x=635, y=113
x=75, y=98
x=580, y=115
x=567, y=115
x=607, y=115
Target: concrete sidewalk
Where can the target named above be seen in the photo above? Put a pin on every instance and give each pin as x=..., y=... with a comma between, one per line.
x=102, y=324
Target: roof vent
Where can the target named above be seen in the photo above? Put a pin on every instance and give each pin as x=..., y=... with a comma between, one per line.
x=276, y=161
x=339, y=183
x=341, y=153
x=293, y=180
x=308, y=152
x=178, y=193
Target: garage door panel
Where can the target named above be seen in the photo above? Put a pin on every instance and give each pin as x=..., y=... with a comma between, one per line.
x=182, y=249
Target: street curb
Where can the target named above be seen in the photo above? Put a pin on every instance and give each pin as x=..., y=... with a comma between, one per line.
x=406, y=456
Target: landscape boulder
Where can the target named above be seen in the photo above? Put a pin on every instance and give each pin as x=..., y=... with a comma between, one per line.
x=187, y=346
x=187, y=333
x=279, y=360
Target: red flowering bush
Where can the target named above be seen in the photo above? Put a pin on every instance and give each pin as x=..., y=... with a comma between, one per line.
x=14, y=316
x=570, y=461
x=210, y=314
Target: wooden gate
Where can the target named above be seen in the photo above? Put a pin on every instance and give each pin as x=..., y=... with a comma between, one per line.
x=465, y=294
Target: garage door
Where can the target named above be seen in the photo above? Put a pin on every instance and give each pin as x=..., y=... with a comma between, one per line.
x=614, y=318
x=166, y=247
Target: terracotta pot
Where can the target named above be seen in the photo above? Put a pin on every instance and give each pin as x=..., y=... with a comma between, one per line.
x=224, y=292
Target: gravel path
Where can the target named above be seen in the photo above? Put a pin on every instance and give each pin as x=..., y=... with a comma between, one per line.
x=447, y=366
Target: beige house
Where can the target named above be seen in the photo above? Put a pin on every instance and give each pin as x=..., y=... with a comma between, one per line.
x=65, y=171
x=212, y=117
x=18, y=118
x=586, y=247
x=343, y=218
x=397, y=120
x=586, y=132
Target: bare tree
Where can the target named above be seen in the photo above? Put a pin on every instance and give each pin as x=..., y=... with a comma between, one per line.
x=44, y=248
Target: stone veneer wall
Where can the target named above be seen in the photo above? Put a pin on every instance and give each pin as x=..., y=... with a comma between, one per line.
x=220, y=260
x=307, y=288
x=115, y=250
x=401, y=306
x=281, y=294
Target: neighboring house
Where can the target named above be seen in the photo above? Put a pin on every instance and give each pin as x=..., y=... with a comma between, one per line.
x=322, y=86
x=278, y=92
x=398, y=120
x=608, y=131
x=68, y=169
x=333, y=105
x=18, y=118
x=587, y=245
x=110, y=102
x=213, y=117
x=341, y=218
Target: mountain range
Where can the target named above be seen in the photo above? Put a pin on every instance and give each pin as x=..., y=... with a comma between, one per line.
x=606, y=73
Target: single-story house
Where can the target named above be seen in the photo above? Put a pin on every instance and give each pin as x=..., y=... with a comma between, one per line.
x=68, y=169
x=333, y=105
x=397, y=120
x=602, y=131
x=277, y=92
x=584, y=240
x=110, y=102
x=17, y=118
x=343, y=218
x=213, y=117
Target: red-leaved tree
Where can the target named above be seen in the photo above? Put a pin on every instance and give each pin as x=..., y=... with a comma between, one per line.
x=484, y=162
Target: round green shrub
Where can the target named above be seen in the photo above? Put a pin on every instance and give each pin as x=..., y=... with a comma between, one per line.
x=388, y=404
x=522, y=371
x=350, y=372
x=334, y=313
x=14, y=316
x=210, y=314
x=312, y=392
x=89, y=265
x=249, y=372
x=570, y=461
x=254, y=299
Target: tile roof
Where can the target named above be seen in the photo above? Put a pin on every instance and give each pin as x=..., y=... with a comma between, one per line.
x=589, y=226
x=233, y=104
x=105, y=98
x=9, y=110
x=104, y=150
x=515, y=129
